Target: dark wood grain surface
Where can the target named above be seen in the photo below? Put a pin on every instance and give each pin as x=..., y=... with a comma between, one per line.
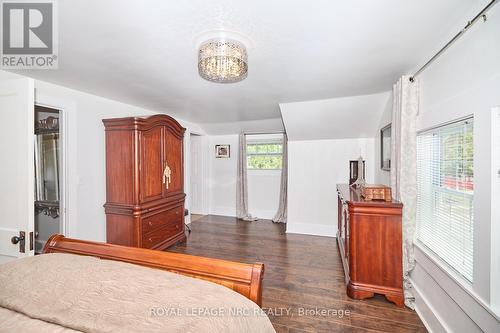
x=245, y=279
x=144, y=202
x=303, y=273
x=370, y=241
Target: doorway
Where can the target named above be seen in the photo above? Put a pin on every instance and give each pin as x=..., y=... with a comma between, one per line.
x=47, y=175
x=196, y=177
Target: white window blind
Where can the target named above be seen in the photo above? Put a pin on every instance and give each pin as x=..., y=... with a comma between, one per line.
x=445, y=193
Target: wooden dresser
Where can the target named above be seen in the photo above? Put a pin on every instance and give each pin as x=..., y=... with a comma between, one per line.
x=370, y=244
x=144, y=182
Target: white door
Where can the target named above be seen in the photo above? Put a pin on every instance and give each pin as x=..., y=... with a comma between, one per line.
x=16, y=168
x=196, y=175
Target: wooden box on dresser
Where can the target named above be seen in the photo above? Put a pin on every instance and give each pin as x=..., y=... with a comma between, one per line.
x=370, y=244
x=144, y=207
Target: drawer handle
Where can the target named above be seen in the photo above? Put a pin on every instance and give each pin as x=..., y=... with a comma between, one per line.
x=150, y=223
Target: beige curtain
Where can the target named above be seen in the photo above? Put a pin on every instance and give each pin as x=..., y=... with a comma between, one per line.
x=280, y=216
x=242, y=183
x=404, y=169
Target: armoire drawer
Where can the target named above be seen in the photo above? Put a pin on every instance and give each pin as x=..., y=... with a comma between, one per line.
x=161, y=219
x=172, y=229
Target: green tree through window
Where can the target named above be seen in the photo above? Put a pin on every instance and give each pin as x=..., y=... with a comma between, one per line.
x=264, y=156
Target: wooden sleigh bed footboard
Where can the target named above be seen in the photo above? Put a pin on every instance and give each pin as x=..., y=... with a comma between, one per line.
x=245, y=279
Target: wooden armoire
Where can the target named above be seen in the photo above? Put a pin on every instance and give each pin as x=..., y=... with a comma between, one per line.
x=144, y=181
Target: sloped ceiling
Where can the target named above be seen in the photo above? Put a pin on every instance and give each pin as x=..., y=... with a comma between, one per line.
x=336, y=118
x=145, y=52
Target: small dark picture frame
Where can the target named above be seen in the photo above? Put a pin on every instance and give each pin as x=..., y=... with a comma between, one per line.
x=385, y=148
x=222, y=151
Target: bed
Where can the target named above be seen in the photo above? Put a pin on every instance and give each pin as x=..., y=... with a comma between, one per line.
x=71, y=288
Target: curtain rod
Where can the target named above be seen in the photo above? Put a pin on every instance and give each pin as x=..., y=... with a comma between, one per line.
x=451, y=122
x=469, y=24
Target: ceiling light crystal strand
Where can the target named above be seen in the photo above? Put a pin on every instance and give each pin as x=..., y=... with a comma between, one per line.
x=222, y=60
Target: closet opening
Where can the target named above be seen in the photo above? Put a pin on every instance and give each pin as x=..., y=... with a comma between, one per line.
x=47, y=175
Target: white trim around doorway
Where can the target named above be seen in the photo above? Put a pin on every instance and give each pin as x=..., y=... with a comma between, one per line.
x=68, y=184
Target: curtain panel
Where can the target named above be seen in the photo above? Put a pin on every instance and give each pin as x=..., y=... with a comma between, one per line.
x=281, y=216
x=242, y=182
x=404, y=169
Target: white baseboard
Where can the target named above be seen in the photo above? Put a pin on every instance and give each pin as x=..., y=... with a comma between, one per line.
x=327, y=230
x=432, y=322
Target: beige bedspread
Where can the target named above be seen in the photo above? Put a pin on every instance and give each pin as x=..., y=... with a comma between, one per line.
x=62, y=293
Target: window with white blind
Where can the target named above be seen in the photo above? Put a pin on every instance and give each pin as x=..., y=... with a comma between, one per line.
x=445, y=194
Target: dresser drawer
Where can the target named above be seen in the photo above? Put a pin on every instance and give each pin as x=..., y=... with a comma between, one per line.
x=162, y=234
x=161, y=219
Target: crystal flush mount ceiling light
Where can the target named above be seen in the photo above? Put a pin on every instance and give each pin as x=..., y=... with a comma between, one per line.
x=222, y=60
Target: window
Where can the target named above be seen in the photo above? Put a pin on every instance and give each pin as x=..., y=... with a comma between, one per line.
x=265, y=155
x=445, y=193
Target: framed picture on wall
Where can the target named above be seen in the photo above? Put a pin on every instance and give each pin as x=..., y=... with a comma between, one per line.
x=385, y=148
x=222, y=151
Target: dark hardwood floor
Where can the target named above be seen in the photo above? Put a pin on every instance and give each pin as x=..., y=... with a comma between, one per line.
x=302, y=273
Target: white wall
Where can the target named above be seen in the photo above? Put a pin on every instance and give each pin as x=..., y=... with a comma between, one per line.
x=323, y=136
x=334, y=118
x=197, y=175
x=222, y=180
x=314, y=169
x=382, y=176
x=263, y=186
x=263, y=193
x=464, y=81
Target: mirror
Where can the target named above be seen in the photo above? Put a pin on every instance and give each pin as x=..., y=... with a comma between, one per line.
x=47, y=161
x=47, y=166
x=385, y=148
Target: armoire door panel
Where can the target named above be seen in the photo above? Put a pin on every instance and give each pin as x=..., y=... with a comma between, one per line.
x=120, y=165
x=151, y=164
x=173, y=158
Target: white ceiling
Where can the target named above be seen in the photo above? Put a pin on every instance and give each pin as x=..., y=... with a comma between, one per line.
x=144, y=52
